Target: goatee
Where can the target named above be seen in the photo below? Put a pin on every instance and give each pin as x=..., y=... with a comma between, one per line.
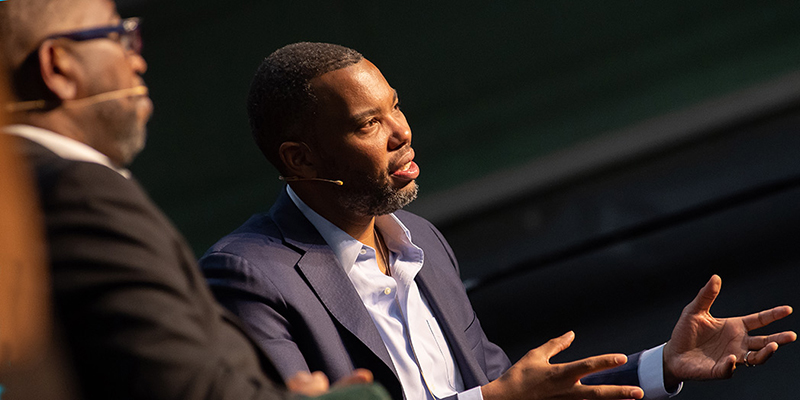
x=375, y=199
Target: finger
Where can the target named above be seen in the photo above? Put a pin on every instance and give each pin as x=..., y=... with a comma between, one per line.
x=580, y=368
x=725, y=368
x=603, y=392
x=766, y=317
x=555, y=345
x=782, y=338
x=358, y=376
x=761, y=356
x=309, y=384
x=705, y=298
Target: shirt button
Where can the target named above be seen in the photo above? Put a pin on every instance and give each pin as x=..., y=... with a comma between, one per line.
x=363, y=251
x=387, y=291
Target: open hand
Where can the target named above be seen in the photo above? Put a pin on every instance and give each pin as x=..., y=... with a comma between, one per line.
x=316, y=383
x=533, y=377
x=703, y=347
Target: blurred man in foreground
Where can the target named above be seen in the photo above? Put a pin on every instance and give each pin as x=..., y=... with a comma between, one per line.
x=335, y=276
x=139, y=320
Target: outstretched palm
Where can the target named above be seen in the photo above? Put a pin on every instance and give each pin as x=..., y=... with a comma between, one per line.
x=703, y=347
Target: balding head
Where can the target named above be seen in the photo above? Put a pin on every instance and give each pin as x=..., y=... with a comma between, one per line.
x=24, y=24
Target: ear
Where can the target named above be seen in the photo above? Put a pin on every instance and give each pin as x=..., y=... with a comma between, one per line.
x=298, y=160
x=59, y=70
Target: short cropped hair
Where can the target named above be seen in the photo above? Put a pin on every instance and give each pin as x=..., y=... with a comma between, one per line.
x=281, y=104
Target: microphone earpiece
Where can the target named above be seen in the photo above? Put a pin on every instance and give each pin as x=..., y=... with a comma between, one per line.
x=93, y=99
x=296, y=179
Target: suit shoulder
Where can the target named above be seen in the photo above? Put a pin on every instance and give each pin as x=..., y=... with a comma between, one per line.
x=419, y=225
x=257, y=241
x=409, y=218
x=54, y=173
x=258, y=229
x=426, y=235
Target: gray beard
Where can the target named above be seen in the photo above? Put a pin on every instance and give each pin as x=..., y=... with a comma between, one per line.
x=373, y=198
x=123, y=126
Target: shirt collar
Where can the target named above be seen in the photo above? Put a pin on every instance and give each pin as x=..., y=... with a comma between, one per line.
x=345, y=247
x=63, y=146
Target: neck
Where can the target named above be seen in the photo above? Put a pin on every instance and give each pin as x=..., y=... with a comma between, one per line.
x=321, y=199
x=360, y=227
x=54, y=121
x=65, y=124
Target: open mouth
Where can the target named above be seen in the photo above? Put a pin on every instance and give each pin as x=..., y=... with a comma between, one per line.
x=409, y=171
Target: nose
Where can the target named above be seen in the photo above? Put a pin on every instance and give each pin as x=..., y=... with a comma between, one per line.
x=400, y=135
x=138, y=63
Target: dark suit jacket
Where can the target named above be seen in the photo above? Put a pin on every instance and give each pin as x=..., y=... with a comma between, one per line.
x=139, y=320
x=279, y=276
x=277, y=273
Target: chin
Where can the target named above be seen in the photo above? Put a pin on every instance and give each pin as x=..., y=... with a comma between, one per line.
x=404, y=196
x=131, y=148
x=379, y=199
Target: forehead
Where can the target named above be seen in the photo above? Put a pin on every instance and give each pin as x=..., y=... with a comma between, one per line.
x=352, y=90
x=99, y=12
x=86, y=14
x=31, y=21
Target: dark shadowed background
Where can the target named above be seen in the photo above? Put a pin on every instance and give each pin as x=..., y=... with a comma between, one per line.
x=591, y=163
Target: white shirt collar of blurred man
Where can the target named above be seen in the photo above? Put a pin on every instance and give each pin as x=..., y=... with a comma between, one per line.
x=63, y=146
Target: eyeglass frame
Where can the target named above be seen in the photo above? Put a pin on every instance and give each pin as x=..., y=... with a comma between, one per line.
x=129, y=31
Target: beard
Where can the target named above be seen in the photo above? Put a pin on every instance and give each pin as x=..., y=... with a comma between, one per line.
x=131, y=143
x=372, y=197
x=121, y=122
x=125, y=129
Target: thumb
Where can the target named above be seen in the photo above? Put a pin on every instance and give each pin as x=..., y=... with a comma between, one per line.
x=557, y=345
x=308, y=384
x=359, y=376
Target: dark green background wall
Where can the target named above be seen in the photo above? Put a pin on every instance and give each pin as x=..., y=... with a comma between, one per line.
x=486, y=86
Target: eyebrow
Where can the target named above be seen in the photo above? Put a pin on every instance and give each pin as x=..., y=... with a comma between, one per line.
x=362, y=115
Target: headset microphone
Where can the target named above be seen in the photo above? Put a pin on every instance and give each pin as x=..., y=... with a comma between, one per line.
x=93, y=99
x=296, y=179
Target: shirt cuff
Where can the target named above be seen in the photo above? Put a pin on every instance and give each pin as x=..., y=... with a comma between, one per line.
x=472, y=394
x=651, y=375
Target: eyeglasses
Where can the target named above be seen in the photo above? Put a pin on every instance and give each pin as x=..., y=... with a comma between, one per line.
x=128, y=32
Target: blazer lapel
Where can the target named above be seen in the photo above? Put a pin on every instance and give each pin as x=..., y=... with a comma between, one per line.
x=327, y=278
x=429, y=280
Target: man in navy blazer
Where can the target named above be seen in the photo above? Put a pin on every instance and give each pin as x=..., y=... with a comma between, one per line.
x=278, y=274
x=335, y=277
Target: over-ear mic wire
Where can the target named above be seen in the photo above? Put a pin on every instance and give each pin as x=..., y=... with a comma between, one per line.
x=296, y=179
x=97, y=98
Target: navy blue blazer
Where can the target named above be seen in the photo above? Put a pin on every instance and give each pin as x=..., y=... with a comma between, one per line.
x=280, y=277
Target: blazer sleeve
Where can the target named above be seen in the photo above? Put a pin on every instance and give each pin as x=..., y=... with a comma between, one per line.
x=137, y=315
x=255, y=299
x=626, y=374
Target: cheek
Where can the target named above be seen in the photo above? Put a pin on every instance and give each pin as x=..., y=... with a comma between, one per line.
x=373, y=157
x=360, y=162
x=356, y=155
x=105, y=80
x=114, y=70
